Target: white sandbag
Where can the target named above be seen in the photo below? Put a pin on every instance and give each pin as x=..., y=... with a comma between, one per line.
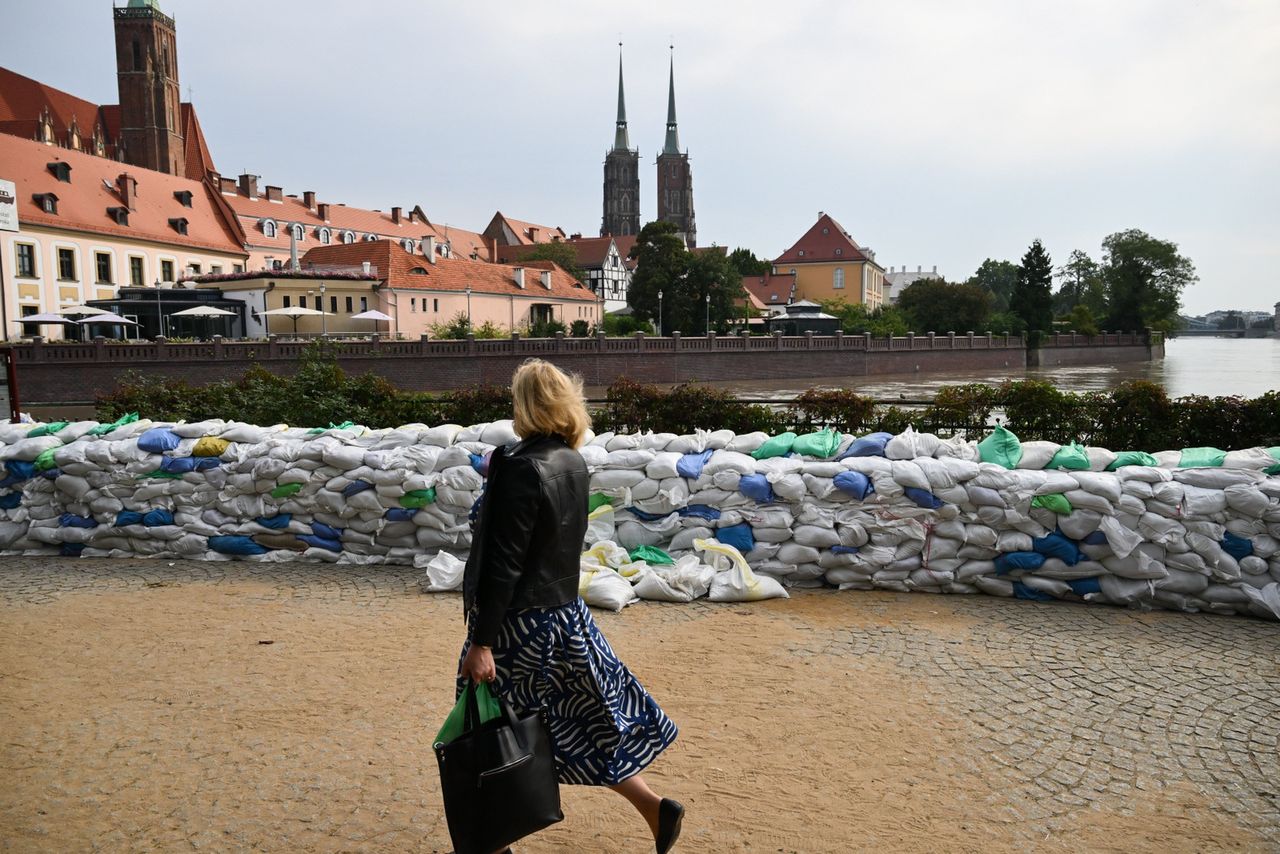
x=729, y=461
x=685, y=581
x=745, y=443
x=444, y=573
x=909, y=445
x=1037, y=455
x=600, y=524
x=663, y=465
x=1099, y=458
x=604, y=588
x=734, y=581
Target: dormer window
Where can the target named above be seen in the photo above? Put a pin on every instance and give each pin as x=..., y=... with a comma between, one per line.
x=419, y=271
x=61, y=170
x=348, y=237
x=801, y=253
x=183, y=197
x=839, y=251
x=826, y=230
x=48, y=202
x=179, y=224
x=268, y=227
x=120, y=215
x=408, y=245
x=324, y=235
x=296, y=232
x=371, y=237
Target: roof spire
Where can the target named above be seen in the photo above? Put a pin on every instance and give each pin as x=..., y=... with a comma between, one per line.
x=621, y=142
x=672, y=145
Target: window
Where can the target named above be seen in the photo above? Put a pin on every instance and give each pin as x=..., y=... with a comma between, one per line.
x=61, y=169
x=801, y=253
x=413, y=304
x=324, y=235
x=26, y=261
x=364, y=303
x=183, y=196
x=137, y=274
x=837, y=278
x=216, y=269
x=348, y=237
x=286, y=301
x=179, y=224
x=137, y=56
x=30, y=329
x=48, y=202
x=102, y=266
x=67, y=265
x=826, y=230
x=268, y=228
x=296, y=231
x=348, y=305
x=408, y=245
x=333, y=305
x=435, y=305
x=166, y=271
x=119, y=214
x=237, y=268
x=839, y=251
x=371, y=237
x=194, y=268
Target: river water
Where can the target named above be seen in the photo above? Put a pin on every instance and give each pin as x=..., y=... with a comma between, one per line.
x=1211, y=366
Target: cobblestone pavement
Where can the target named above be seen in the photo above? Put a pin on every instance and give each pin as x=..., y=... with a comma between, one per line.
x=1074, y=707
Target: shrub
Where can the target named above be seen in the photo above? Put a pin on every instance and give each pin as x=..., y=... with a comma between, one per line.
x=579, y=329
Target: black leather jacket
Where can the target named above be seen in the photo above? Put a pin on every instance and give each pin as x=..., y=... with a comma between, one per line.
x=528, y=537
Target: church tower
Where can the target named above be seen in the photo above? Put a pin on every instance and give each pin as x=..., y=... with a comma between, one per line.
x=147, y=76
x=621, y=176
x=675, y=178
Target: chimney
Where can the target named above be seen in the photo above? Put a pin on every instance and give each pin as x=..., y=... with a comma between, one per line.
x=227, y=186
x=366, y=267
x=249, y=185
x=429, y=247
x=275, y=194
x=309, y=199
x=128, y=187
x=395, y=215
x=935, y=269
x=322, y=210
x=533, y=234
x=546, y=279
x=519, y=273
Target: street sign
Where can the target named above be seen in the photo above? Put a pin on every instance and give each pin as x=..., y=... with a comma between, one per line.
x=8, y=206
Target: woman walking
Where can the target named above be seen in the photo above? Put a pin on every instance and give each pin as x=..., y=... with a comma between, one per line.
x=529, y=634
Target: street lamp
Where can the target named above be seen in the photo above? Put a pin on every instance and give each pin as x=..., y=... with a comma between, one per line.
x=708, y=329
x=659, y=314
x=159, y=307
x=324, y=326
x=468, y=307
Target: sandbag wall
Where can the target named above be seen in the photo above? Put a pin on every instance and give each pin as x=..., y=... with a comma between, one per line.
x=1195, y=530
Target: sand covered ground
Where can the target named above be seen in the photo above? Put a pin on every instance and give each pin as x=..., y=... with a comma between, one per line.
x=141, y=709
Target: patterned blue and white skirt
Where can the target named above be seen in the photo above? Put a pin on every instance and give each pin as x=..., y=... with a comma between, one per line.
x=604, y=725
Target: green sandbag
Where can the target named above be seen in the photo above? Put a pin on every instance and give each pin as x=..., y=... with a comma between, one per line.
x=345, y=425
x=822, y=444
x=48, y=429
x=651, y=555
x=416, y=499
x=161, y=474
x=104, y=429
x=1056, y=502
x=1132, y=458
x=596, y=501
x=1275, y=454
x=1072, y=457
x=1198, y=458
x=284, y=490
x=44, y=462
x=1001, y=448
x=778, y=446
x=454, y=725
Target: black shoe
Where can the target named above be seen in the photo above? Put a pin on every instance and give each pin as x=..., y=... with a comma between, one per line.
x=670, y=817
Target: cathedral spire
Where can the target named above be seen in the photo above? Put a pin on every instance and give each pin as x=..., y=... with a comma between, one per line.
x=621, y=142
x=672, y=144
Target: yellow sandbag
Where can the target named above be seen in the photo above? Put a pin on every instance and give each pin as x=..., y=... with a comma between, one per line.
x=209, y=446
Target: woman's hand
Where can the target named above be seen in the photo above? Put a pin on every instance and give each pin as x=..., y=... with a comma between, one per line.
x=478, y=664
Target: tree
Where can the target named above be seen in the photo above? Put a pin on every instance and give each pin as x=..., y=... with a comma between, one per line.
x=1145, y=277
x=710, y=274
x=855, y=319
x=564, y=254
x=997, y=277
x=1231, y=320
x=685, y=279
x=1081, y=320
x=1032, y=298
x=661, y=259
x=1081, y=282
x=935, y=305
x=747, y=264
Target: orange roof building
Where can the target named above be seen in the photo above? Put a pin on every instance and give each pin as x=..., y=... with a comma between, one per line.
x=828, y=264
x=604, y=266
x=505, y=231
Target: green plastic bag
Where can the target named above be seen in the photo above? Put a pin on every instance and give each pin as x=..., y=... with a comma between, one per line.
x=822, y=444
x=1001, y=448
x=455, y=723
x=1196, y=458
x=104, y=429
x=416, y=499
x=778, y=446
x=596, y=501
x=1057, y=502
x=345, y=425
x=1072, y=457
x=1275, y=453
x=44, y=462
x=1132, y=458
x=161, y=474
x=48, y=429
x=284, y=490
x=651, y=555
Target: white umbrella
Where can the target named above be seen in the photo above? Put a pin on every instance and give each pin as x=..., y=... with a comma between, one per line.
x=203, y=311
x=82, y=309
x=47, y=317
x=107, y=317
x=296, y=311
x=372, y=314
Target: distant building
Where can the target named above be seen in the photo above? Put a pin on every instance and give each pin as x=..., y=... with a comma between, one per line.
x=604, y=265
x=621, y=176
x=801, y=317
x=675, y=175
x=896, y=280
x=828, y=264
x=773, y=291
x=504, y=231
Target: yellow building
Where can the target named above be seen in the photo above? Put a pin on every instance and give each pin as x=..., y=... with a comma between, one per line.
x=828, y=264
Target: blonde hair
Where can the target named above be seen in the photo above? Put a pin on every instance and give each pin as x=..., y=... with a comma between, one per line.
x=547, y=401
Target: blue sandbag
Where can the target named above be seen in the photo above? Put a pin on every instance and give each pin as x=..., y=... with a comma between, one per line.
x=1010, y=561
x=325, y=532
x=867, y=446
x=71, y=520
x=183, y=465
x=157, y=440
x=10, y=500
x=1057, y=545
x=1022, y=591
x=702, y=511
x=844, y=550
x=51, y=474
x=1097, y=538
x=321, y=542
x=356, y=486
x=157, y=517
x=739, y=536
x=756, y=487
x=236, y=544
x=71, y=549
x=855, y=483
x=644, y=516
x=1083, y=586
x=400, y=514
x=128, y=517
x=1236, y=546
x=21, y=469
x=923, y=498
x=690, y=465
x=278, y=522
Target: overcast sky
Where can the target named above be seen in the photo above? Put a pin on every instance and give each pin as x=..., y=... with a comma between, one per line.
x=936, y=132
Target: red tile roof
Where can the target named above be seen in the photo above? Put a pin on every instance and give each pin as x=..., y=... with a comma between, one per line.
x=625, y=245
x=402, y=270
x=507, y=231
x=591, y=251
x=825, y=242
x=83, y=203
x=770, y=289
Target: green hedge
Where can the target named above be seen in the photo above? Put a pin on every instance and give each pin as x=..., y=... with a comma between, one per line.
x=1133, y=416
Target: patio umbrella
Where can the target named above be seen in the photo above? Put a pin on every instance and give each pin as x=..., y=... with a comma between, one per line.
x=82, y=309
x=47, y=317
x=107, y=317
x=372, y=314
x=295, y=311
x=204, y=311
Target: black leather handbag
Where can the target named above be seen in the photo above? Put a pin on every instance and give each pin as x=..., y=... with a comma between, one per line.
x=498, y=779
